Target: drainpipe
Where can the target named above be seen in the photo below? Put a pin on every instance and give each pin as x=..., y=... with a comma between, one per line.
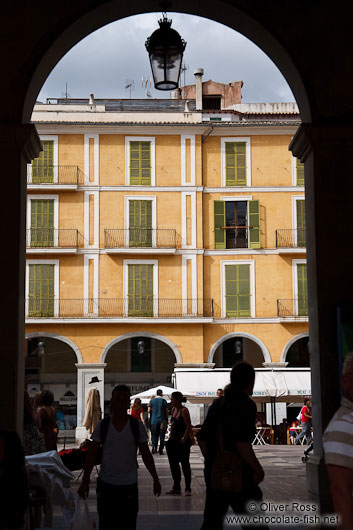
x=198, y=73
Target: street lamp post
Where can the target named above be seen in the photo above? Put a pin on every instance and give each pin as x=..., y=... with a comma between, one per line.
x=165, y=49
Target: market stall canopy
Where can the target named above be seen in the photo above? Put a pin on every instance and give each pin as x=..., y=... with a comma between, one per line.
x=285, y=385
x=146, y=395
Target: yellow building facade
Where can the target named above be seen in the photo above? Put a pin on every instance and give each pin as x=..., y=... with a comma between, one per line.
x=163, y=244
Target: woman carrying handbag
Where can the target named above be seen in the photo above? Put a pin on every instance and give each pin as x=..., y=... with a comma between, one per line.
x=178, y=445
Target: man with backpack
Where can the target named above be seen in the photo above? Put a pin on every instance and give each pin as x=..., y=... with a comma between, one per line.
x=118, y=438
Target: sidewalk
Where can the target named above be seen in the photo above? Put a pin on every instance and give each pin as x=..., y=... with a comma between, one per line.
x=285, y=482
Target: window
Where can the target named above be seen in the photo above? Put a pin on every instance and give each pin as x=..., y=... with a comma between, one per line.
x=237, y=290
x=211, y=102
x=42, y=223
x=41, y=290
x=236, y=224
x=299, y=171
x=140, y=223
x=302, y=290
x=43, y=165
x=140, y=160
x=235, y=159
x=141, y=361
x=140, y=290
x=301, y=233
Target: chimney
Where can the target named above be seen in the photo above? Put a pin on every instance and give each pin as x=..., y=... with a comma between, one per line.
x=198, y=73
x=91, y=99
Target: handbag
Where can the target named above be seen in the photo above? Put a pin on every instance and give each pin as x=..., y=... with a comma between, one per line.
x=226, y=473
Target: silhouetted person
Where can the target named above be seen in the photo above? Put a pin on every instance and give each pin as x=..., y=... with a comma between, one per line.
x=117, y=491
x=235, y=415
x=159, y=420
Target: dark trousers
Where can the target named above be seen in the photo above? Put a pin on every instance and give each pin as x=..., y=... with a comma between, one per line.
x=158, y=435
x=218, y=502
x=179, y=454
x=117, y=506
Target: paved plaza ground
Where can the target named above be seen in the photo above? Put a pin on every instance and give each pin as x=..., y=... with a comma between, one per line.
x=285, y=483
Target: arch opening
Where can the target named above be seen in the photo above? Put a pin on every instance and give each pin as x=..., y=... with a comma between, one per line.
x=50, y=364
x=238, y=347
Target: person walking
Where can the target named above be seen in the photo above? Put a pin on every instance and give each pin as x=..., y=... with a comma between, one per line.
x=136, y=411
x=159, y=420
x=46, y=419
x=117, y=490
x=231, y=419
x=305, y=423
x=178, y=445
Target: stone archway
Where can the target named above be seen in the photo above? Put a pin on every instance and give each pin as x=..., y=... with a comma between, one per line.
x=295, y=352
x=249, y=343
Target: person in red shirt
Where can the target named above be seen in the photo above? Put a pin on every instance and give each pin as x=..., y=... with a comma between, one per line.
x=136, y=411
x=305, y=422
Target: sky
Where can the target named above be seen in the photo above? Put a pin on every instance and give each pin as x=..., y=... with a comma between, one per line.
x=114, y=56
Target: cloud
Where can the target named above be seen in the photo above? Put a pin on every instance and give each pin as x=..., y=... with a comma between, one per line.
x=104, y=61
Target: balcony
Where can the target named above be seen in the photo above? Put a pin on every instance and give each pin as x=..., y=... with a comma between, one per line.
x=289, y=240
x=293, y=309
x=141, y=240
x=119, y=308
x=54, y=177
x=52, y=240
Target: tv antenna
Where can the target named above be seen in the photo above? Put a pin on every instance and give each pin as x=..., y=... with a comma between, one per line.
x=146, y=83
x=65, y=94
x=184, y=68
x=129, y=85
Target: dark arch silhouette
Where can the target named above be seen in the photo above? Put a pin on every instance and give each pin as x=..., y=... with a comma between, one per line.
x=298, y=354
x=63, y=39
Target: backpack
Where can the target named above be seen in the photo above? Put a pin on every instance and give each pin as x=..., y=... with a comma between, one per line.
x=104, y=431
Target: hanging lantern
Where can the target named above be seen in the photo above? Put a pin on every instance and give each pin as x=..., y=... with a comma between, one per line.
x=165, y=49
x=141, y=347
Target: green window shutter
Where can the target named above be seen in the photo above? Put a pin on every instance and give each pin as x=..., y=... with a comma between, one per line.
x=41, y=290
x=254, y=224
x=140, y=223
x=140, y=163
x=301, y=233
x=140, y=290
x=302, y=290
x=219, y=222
x=237, y=289
x=141, y=362
x=42, y=167
x=42, y=223
x=299, y=172
x=235, y=160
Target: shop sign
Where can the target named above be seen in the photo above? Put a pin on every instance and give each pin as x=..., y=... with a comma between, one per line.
x=68, y=399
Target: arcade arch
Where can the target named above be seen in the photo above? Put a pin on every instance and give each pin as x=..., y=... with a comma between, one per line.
x=296, y=351
x=239, y=346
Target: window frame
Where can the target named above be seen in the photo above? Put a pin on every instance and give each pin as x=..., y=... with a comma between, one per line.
x=236, y=139
x=48, y=137
x=252, y=287
x=126, y=263
x=54, y=262
x=296, y=262
x=127, y=200
x=295, y=199
x=56, y=214
x=152, y=140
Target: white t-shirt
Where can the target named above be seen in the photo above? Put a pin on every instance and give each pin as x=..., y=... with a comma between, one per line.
x=118, y=465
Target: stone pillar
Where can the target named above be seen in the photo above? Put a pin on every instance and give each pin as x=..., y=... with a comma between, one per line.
x=18, y=145
x=327, y=151
x=85, y=372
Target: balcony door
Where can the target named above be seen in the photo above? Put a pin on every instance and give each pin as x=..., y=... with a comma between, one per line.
x=41, y=290
x=140, y=290
x=237, y=290
x=302, y=290
x=43, y=165
x=140, y=224
x=42, y=223
x=301, y=235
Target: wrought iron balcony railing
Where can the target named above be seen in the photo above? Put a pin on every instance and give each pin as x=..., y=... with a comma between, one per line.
x=295, y=307
x=291, y=238
x=140, y=238
x=52, y=238
x=118, y=307
x=47, y=174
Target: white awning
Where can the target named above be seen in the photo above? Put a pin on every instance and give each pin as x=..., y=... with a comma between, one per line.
x=286, y=385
